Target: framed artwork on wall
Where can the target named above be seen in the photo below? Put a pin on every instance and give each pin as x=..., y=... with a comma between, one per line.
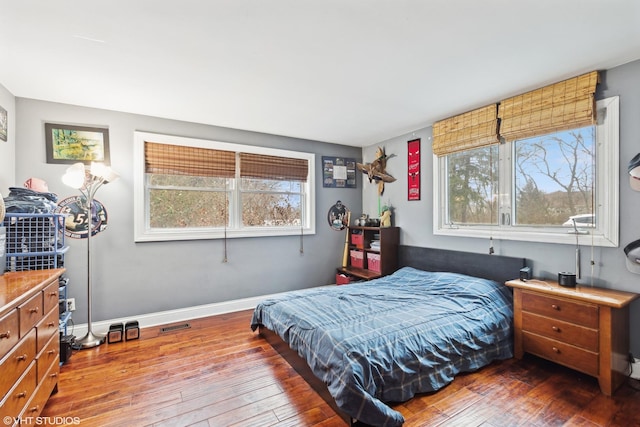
x=72, y=144
x=338, y=172
x=413, y=169
x=4, y=122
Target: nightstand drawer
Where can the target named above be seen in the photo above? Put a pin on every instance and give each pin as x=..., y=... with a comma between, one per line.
x=580, y=313
x=559, y=352
x=566, y=332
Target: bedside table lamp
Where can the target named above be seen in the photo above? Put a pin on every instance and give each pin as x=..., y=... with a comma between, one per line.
x=88, y=181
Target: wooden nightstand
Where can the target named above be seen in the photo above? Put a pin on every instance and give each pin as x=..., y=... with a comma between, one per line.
x=583, y=328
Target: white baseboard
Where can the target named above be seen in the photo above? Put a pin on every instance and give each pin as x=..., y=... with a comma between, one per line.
x=171, y=316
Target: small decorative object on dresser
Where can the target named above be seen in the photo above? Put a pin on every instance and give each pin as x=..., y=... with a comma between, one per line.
x=583, y=328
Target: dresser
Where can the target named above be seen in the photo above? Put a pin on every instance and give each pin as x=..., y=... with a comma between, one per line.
x=29, y=341
x=583, y=328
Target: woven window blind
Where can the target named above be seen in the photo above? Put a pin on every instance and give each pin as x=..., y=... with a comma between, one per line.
x=180, y=160
x=474, y=129
x=564, y=105
x=273, y=167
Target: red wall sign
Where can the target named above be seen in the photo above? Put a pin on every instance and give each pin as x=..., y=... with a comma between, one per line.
x=413, y=169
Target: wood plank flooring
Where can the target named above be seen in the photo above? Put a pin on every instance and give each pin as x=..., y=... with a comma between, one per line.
x=218, y=373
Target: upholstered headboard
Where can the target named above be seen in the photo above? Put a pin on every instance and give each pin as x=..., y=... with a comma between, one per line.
x=495, y=267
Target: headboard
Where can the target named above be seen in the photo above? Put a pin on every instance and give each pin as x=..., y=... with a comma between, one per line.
x=495, y=267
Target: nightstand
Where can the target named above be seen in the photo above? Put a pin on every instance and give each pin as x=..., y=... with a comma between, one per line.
x=583, y=328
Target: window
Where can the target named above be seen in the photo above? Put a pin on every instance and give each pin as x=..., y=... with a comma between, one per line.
x=541, y=188
x=197, y=189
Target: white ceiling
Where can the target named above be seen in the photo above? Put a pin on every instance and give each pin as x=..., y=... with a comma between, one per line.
x=353, y=72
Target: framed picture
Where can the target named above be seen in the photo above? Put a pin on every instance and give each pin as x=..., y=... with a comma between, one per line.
x=413, y=169
x=338, y=172
x=3, y=124
x=73, y=144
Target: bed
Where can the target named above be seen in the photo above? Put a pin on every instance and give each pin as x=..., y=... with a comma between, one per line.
x=385, y=340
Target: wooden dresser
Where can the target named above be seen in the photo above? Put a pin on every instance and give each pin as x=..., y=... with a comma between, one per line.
x=583, y=328
x=29, y=342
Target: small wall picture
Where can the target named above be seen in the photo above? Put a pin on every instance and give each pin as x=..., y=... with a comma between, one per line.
x=72, y=144
x=3, y=124
x=338, y=172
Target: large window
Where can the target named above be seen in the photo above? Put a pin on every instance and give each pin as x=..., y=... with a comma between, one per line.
x=540, y=188
x=197, y=189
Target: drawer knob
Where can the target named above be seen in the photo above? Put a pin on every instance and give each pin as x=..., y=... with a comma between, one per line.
x=53, y=294
x=555, y=328
x=51, y=324
x=55, y=374
x=5, y=335
x=555, y=307
x=22, y=357
x=556, y=350
x=34, y=409
x=50, y=352
x=21, y=394
x=33, y=310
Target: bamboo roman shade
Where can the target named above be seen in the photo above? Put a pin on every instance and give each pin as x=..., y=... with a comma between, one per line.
x=273, y=167
x=474, y=129
x=193, y=161
x=565, y=105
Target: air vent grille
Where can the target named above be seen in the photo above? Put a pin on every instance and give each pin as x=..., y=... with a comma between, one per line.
x=173, y=328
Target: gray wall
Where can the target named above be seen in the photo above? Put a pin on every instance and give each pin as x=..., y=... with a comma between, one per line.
x=7, y=148
x=416, y=217
x=138, y=278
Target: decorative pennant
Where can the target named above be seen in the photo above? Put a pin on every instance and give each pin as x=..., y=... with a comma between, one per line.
x=413, y=169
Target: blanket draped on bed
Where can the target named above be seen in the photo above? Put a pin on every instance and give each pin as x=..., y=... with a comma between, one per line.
x=387, y=339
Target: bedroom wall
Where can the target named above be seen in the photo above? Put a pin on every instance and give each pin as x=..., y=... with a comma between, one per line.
x=7, y=148
x=416, y=217
x=130, y=278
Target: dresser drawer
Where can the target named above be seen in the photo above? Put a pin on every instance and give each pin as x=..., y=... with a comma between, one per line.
x=9, y=332
x=559, y=330
x=18, y=397
x=46, y=327
x=17, y=361
x=50, y=352
x=42, y=394
x=30, y=313
x=577, y=312
x=51, y=296
x=573, y=357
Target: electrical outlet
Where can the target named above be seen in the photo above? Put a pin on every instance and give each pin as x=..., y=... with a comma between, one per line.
x=71, y=304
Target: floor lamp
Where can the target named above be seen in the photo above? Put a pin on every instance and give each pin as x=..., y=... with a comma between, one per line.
x=88, y=181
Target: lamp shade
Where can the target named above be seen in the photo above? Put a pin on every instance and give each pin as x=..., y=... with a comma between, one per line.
x=75, y=176
x=103, y=172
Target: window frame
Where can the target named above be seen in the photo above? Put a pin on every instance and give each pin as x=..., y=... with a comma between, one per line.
x=606, y=203
x=144, y=233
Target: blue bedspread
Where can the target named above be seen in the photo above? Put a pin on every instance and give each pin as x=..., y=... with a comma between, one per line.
x=387, y=339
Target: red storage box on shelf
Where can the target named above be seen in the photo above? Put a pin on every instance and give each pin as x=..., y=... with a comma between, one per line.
x=373, y=262
x=357, y=259
x=357, y=239
x=342, y=279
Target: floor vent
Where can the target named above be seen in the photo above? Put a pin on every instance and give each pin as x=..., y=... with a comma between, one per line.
x=175, y=327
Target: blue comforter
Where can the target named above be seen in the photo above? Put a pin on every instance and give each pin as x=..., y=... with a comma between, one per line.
x=387, y=339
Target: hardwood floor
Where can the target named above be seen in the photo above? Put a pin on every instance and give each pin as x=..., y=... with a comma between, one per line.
x=218, y=373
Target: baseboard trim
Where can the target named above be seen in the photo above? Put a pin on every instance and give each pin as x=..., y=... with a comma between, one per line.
x=171, y=316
